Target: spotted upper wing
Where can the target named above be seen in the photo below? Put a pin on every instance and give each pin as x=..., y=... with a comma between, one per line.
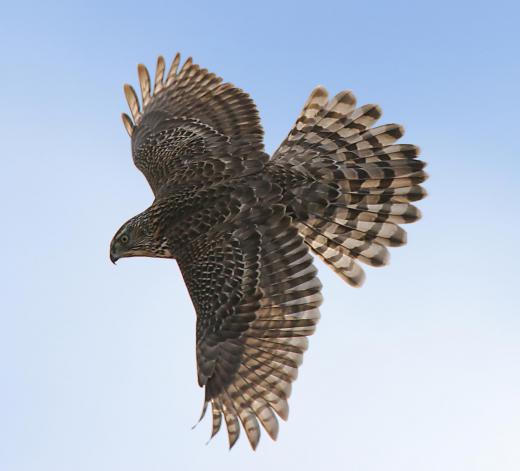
x=192, y=128
x=256, y=294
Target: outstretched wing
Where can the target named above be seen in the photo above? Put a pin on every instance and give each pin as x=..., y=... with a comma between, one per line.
x=256, y=294
x=193, y=128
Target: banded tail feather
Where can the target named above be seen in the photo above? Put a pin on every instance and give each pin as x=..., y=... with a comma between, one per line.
x=357, y=184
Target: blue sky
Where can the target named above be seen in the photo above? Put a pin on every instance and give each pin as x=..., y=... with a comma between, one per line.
x=416, y=370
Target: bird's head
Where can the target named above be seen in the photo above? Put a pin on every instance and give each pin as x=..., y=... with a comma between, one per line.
x=135, y=239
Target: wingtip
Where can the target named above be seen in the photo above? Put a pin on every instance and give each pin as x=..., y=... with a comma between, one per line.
x=172, y=73
x=159, y=74
x=144, y=83
x=129, y=125
x=133, y=101
x=254, y=443
x=233, y=441
x=186, y=67
x=202, y=414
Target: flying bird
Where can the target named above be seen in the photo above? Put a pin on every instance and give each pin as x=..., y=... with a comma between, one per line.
x=242, y=225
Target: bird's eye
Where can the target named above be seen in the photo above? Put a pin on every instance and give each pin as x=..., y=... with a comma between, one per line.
x=124, y=239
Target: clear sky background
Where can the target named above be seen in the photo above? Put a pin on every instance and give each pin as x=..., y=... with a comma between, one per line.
x=418, y=370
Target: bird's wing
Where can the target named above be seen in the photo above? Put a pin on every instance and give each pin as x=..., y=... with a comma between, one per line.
x=192, y=127
x=256, y=294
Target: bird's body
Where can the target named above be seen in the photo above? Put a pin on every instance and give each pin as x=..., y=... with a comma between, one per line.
x=240, y=225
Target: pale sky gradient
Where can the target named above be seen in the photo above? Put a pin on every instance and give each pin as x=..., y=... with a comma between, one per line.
x=418, y=370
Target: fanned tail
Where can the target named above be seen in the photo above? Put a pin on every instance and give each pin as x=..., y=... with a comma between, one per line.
x=351, y=184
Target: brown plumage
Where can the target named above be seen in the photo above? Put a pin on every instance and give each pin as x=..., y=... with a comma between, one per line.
x=240, y=224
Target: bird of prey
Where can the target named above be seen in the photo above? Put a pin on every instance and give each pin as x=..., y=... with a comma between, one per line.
x=242, y=225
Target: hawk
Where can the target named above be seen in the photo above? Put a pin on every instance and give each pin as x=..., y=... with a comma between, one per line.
x=242, y=226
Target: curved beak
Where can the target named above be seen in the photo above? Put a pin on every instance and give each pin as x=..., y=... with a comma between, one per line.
x=113, y=258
